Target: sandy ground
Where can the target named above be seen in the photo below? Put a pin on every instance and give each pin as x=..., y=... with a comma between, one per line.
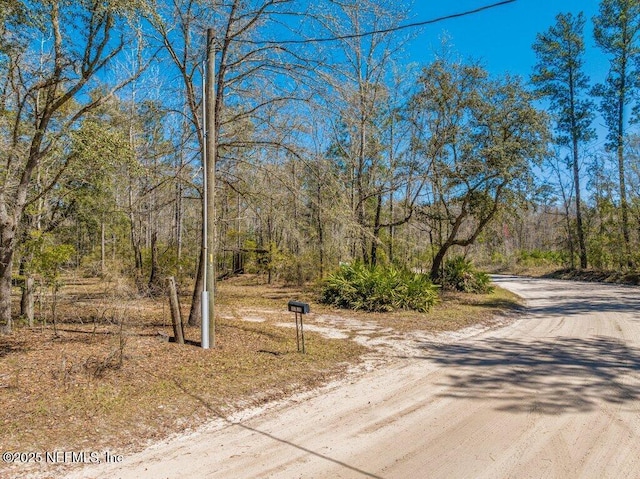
x=553, y=394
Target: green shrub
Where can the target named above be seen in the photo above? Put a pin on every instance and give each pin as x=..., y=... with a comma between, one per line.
x=538, y=257
x=461, y=275
x=378, y=289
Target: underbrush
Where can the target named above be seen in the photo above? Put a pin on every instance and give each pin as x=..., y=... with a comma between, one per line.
x=378, y=289
x=461, y=275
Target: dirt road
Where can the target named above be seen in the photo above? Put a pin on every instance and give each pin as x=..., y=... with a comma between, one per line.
x=553, y=394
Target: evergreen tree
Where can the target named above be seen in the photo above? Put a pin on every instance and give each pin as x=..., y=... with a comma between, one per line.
x=617, y=33
x=558, y=76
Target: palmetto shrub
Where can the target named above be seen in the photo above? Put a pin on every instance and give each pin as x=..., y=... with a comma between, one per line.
x=461, y=275
x=378, y=289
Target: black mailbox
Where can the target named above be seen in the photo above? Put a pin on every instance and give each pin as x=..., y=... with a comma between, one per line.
x=298, y=307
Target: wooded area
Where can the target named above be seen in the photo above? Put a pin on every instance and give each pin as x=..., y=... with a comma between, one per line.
x=329, y=148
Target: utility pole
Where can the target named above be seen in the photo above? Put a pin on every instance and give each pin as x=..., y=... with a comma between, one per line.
x=208, y=329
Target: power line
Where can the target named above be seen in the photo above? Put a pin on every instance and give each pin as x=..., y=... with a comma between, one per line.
x=374, y=32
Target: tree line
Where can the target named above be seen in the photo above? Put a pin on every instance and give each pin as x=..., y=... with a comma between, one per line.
x=326, y=152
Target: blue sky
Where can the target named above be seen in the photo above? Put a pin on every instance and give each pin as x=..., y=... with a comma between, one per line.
x=501, y=37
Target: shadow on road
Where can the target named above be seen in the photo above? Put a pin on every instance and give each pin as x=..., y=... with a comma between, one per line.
x=553, y=376
x=575, y=298
x=272, y=437
x=595, y=303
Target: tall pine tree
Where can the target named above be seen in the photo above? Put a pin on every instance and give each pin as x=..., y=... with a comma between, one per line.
x=617, y=33
x=558, y=76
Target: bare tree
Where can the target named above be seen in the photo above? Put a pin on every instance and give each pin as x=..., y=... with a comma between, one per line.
x=365, y=140
x=253, y=76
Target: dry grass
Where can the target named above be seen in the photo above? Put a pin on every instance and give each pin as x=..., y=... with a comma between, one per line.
x=107, y=382
x=455, y=311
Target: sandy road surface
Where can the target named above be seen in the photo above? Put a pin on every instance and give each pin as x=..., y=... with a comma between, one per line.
x=553, y=394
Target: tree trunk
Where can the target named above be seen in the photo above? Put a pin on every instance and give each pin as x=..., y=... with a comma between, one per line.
x=178, y=218
x=391, y=228
x=54, y=304
x=102, y=247
x=6, y=261
x=320, y=228
x=27, y=300
x=176, y=318
x=7, y=232
x=576, y=182
x=437, y=262
x=376, y=232
x=155, y=287
x=581, y=241
x=569, y=234
x=238, y=263
x=195, y=314
x=135, y=238
x=624, y=207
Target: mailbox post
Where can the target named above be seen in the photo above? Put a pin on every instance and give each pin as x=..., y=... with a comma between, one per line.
x=299, y=309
